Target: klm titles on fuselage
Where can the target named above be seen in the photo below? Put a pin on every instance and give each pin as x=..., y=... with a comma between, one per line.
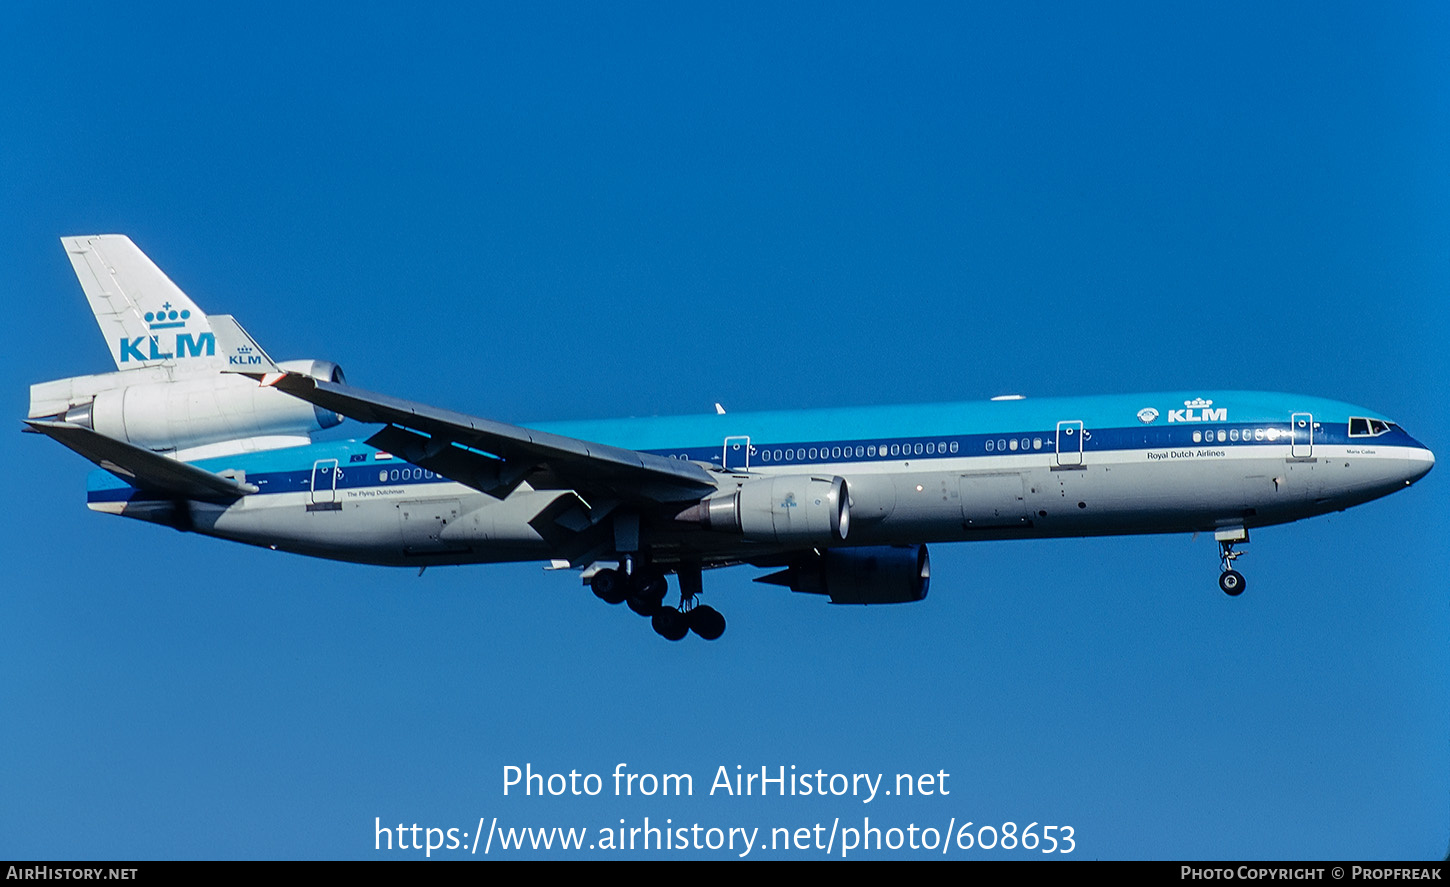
x=1196, y=410
x=1205, y=415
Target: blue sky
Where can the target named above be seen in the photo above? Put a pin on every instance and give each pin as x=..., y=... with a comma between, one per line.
x=576, y=211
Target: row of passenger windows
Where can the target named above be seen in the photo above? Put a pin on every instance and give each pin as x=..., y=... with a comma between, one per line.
x=1233, y=434
x=1013, y=445
x=405, y=474
x=867, y=451
x=1357, y=428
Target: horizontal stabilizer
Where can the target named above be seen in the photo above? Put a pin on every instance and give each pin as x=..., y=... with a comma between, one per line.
x=142, y=468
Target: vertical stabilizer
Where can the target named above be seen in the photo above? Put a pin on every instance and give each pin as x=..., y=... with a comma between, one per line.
x=146, y=319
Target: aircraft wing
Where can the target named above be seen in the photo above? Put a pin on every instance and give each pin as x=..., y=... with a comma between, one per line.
x=142, y=468
x=496, y=457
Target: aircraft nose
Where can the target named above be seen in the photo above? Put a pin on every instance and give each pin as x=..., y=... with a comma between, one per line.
x=1419, y=463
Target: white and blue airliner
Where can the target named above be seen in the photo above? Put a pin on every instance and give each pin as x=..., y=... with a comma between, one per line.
x=199, y=429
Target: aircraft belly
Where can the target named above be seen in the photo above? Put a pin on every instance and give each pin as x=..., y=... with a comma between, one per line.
x=449, y=528
x=1158, y=496
x=1112, y=493
x=426, y=526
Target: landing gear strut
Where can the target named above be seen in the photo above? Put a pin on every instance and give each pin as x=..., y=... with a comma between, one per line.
x=1231, y=581
x=644, y=590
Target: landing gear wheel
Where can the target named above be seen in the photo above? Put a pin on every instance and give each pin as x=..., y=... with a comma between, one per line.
x=609, y=586
x=644, y=607
x=670, y=624
x=650, y=587
x=646, y=592
x=706, y=622
x=1232, y=582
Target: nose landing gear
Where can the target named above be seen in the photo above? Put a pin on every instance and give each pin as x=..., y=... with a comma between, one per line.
x=1231, y=581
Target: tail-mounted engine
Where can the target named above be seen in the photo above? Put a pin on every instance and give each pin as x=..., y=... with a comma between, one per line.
x=201, y=410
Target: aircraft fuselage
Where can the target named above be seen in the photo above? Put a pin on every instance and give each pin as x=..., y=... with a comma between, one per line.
x=1029, y=468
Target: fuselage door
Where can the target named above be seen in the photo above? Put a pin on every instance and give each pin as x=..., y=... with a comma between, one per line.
x=1301, y=435
x=737, y=454
x=1069, y=442
x=324, y=481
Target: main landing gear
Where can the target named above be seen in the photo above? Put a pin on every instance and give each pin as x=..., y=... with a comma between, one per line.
x=644, y=591
x=1231, y=581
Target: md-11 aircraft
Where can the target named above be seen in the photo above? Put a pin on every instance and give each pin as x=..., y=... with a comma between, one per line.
x=199, y=429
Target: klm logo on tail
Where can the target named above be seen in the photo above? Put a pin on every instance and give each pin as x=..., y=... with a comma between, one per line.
x=246, y=356
x=182, y=344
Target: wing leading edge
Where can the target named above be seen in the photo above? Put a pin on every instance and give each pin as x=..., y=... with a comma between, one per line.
x=496, y=457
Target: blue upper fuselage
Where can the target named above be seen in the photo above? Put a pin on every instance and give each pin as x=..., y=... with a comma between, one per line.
x=985, y=418
x=876, y=434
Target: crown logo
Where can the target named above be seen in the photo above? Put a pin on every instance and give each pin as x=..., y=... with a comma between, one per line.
x=167, y=318
x=1197, y=403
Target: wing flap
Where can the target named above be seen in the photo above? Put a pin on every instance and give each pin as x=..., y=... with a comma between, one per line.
x=142, y=468
x=496, y=477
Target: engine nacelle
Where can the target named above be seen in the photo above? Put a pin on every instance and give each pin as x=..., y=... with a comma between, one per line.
x=796, y=508
x=884, y=574
x=207, y=409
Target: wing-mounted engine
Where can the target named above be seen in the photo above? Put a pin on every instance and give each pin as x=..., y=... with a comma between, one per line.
x=885, y=574
x=199, y=411
x=795, y=508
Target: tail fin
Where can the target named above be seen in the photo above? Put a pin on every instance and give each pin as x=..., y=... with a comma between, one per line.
x=182, y=385
x=146, y=319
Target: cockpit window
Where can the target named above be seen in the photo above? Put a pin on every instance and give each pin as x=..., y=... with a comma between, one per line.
x=1361, y=427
